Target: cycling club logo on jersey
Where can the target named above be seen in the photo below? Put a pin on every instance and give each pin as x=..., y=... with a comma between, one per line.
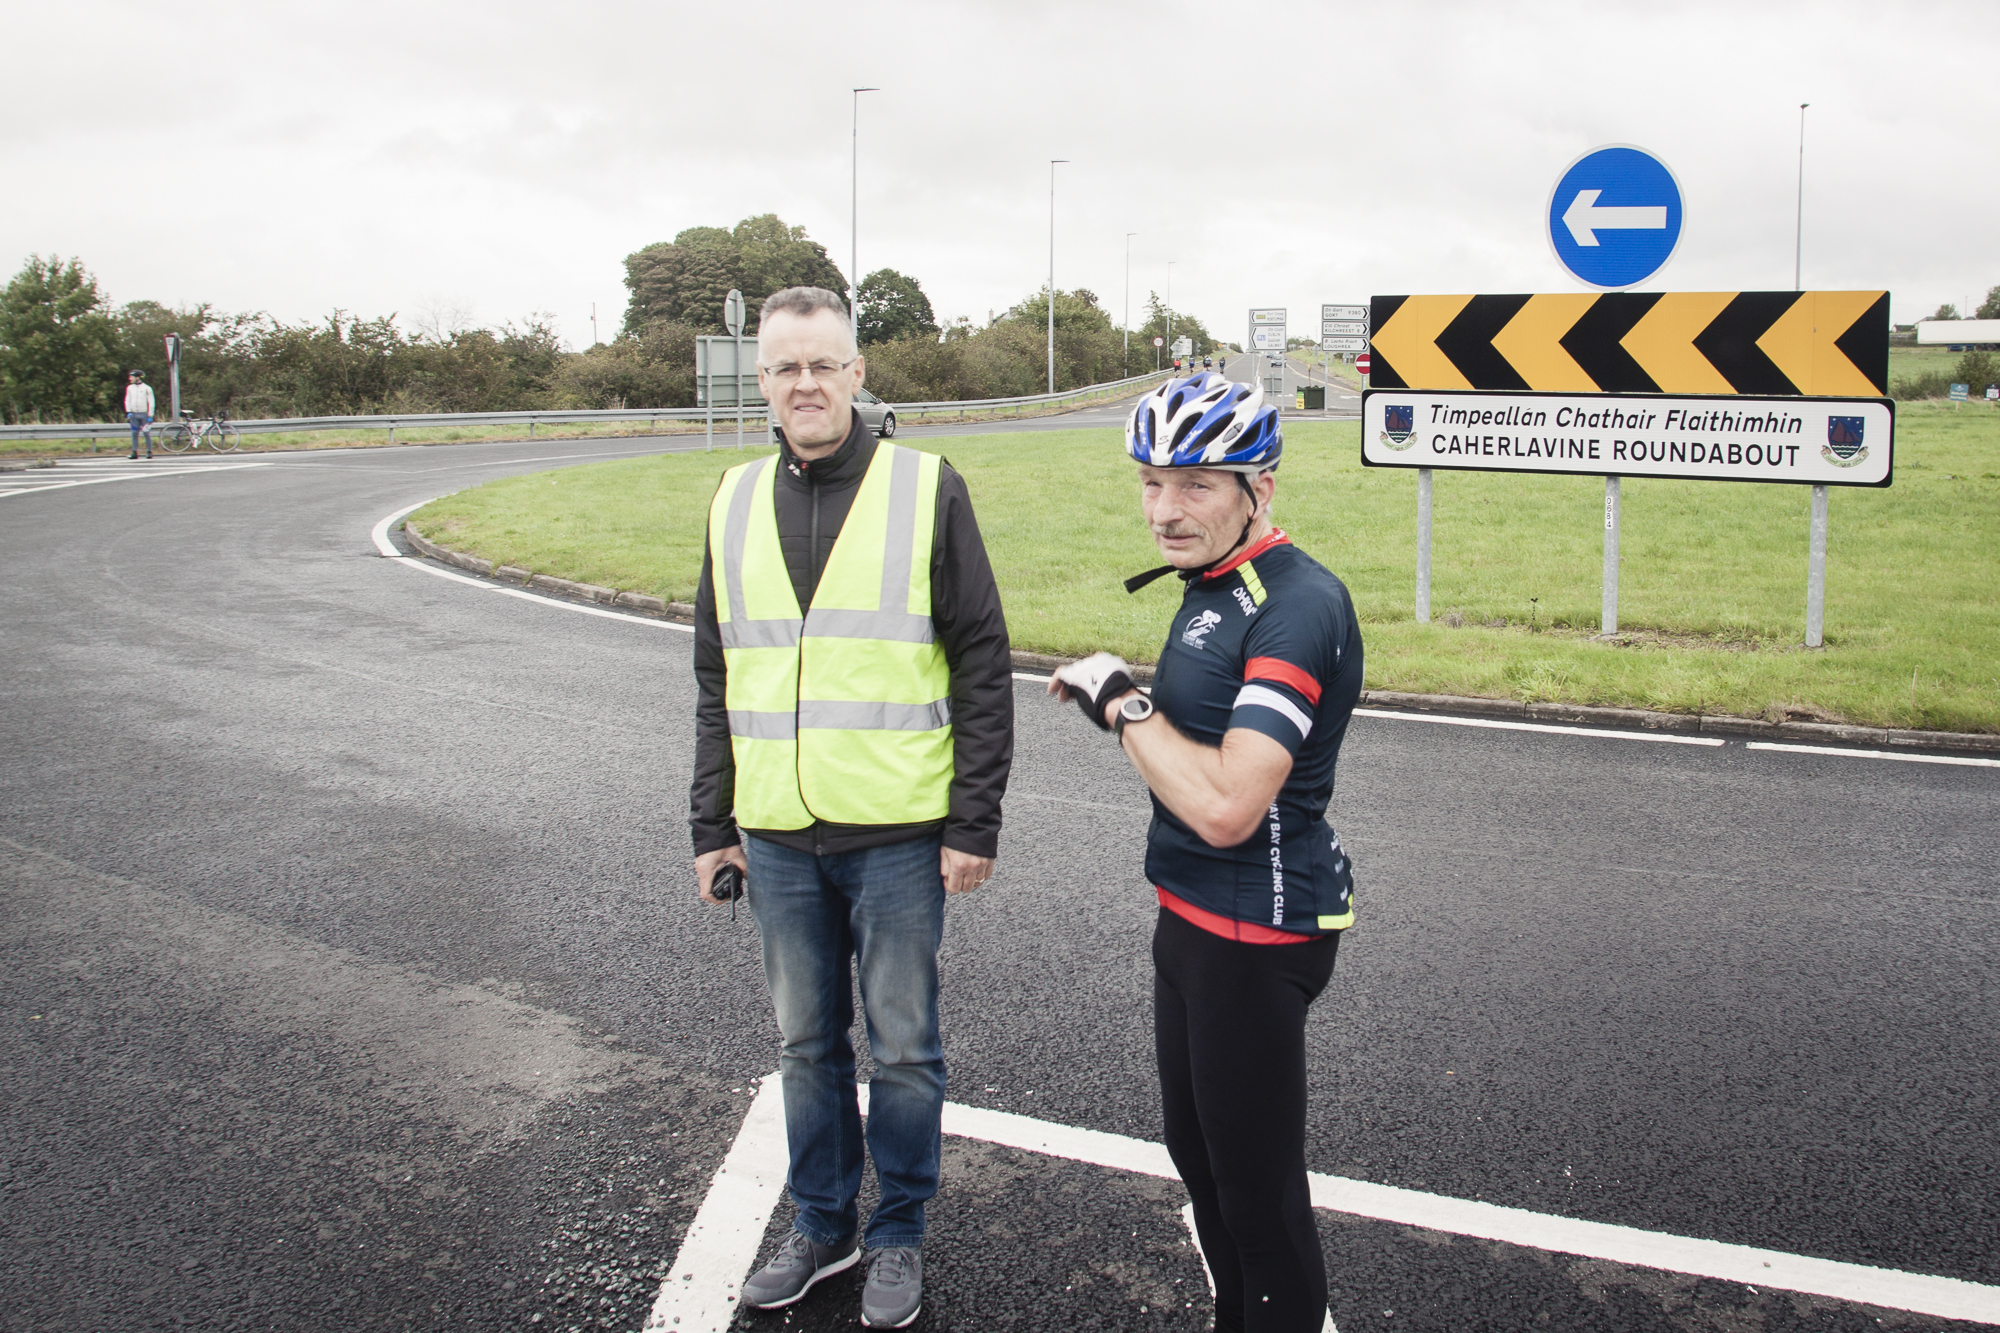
x=1243, y=600
x=1843, y=441
x=1399, y=425
x=1198, y=629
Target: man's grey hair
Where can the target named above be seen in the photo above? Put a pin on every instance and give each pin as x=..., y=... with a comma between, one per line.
x=805, y=302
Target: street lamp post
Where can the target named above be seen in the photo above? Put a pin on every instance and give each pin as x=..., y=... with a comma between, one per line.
x=1128, y=300
x=854, y=224
x=1053, y=162
x=1170, y=305
x=1799, y=232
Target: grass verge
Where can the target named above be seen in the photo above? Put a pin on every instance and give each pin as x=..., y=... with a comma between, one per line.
x=1712, y=584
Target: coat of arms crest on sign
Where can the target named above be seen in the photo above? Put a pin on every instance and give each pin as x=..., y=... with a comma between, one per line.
x=1399, y=425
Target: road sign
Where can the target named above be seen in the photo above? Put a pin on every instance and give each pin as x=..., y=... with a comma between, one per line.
x=1958, y=392
x=1343, y=328
x=1361, y=364
x=1343, y=312
x=1831, y=344
x=732, y=311
x=720, y=364
x=1614, y=217
x=1344, y=344
x=1267, y=330
x=1183, y=347
x=1724, y=437
x=1159, y=342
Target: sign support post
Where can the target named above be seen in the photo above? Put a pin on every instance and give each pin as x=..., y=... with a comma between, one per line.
x=1423, y=546
x=173, y=379
x=732, y=315
x=1608, y=616
x=1816, y=570
x=708, y=387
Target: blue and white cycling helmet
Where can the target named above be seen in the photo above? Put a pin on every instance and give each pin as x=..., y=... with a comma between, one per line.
x=1205, y=421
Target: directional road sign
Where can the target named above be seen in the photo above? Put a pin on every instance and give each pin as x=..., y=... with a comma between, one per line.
x=1801, y=441
x=1267, y=330
x=1344, y=344
x=1828, y=344
x=1343, y=312
x=1615, y=216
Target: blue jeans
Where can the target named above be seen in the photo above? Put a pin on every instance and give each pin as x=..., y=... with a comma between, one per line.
x=884, y=907
x=139, y=421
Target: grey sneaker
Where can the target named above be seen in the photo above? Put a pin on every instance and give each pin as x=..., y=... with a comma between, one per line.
x=799, y=1263
x=895, y=1291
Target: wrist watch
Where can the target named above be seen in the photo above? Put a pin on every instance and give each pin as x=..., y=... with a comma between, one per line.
x=1135, y=708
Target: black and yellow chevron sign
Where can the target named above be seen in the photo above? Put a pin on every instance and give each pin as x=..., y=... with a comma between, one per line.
x=1820, y=344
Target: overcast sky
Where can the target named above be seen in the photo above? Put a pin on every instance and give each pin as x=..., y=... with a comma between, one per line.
x=502, y=158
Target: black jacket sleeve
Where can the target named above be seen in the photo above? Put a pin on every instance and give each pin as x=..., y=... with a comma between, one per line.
x=965, y=608
x=712, y=798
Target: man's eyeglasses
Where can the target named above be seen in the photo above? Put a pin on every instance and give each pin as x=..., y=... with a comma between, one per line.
x=819, y=370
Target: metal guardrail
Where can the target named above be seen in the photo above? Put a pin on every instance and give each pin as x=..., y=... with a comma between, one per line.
x=392, y=422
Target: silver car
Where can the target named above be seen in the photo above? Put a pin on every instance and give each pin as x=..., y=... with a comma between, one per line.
x=881, y=418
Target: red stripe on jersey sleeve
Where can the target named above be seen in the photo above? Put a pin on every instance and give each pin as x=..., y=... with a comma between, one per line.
x=1271, y=668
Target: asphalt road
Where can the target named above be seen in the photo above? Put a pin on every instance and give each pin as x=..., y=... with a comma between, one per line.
x=354, y=977
x=1343, y=399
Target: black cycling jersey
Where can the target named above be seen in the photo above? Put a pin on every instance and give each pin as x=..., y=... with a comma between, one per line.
x=1269, y=643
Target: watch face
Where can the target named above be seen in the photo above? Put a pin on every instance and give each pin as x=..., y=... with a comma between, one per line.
x=1137, y=710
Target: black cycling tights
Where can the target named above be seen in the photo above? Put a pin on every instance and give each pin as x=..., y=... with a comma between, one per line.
x=1229, y=1024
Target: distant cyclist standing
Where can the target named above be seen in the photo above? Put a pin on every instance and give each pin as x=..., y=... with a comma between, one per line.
x=139, y=410
x=1260, y=673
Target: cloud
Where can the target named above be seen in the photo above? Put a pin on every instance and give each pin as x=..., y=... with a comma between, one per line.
x=371, y=155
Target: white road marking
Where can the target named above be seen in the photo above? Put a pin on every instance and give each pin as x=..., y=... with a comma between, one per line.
x=700, y=1292
x=1495, y=723
x=1146, y=809
x=39, y=487
x=380, y=536
x=1877, y=754
x=384, y=547
x=1922, y=1293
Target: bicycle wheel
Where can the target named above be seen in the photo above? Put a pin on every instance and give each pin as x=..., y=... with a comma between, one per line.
x=224, y=438
x=174, y=437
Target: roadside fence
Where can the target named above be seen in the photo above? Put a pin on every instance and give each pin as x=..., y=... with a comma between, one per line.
x=964, y=409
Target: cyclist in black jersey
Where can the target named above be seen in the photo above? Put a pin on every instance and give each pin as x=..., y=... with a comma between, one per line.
x=1238, y=742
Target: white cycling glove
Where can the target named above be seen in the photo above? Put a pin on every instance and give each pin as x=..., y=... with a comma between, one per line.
x=1094, y=682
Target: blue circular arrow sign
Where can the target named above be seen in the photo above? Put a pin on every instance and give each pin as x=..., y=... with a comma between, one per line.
x=1615, y=216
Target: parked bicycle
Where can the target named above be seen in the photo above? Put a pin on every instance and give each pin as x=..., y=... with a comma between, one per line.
x=216, y=432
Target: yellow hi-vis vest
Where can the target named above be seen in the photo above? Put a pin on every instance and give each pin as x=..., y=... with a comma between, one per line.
x=842, y=714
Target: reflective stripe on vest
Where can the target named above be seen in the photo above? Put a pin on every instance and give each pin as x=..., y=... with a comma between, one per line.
x=844, y=713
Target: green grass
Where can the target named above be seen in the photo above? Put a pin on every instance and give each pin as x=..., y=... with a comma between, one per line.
x=1712, y=584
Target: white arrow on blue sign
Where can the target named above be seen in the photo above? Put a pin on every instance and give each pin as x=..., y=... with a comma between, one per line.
x=1615, y=216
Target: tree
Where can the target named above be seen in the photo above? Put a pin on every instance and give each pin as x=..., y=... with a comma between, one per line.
x=1945, y=311
x=1184, y=326
x=686, y=280
x=1990, y=307
x=893, y=306
x=58, y=353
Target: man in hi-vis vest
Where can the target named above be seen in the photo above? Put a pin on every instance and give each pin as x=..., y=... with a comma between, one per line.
x=856, y=724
